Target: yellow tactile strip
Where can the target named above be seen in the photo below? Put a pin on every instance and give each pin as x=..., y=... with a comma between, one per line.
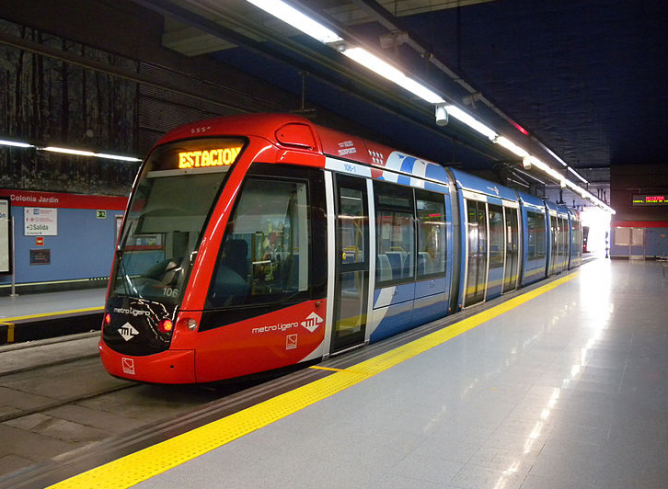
x=11, y=322
x=51, y=314
x=144, y=464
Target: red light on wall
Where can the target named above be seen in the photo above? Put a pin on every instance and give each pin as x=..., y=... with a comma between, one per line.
x=520, y=129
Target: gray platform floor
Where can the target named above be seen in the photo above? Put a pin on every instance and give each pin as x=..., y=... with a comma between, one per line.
x=569, y=390
x=52, y=302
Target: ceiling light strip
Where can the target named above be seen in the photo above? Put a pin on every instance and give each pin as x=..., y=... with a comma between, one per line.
x=70, y=151
x=16, y=144
x=470, y=121
x=78, y=152
x=297, y=19
x=311, y=27
x=389, y=72
x=582, y=179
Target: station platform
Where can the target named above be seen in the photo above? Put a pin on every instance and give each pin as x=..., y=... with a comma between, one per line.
x=36, y=316
x=563, y=386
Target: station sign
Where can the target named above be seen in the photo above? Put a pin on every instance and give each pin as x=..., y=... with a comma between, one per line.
x=27, y=198
x=40, y=221
x=653, y=200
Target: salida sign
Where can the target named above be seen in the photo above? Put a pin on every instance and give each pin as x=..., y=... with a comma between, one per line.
x=40, y=221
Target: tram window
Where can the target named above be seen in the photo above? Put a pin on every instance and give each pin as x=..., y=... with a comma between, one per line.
x=431, y=233
x=554, y=252
x=512, y=249
x=536, y=232
x=496, y=238
x=563, y=241
x=265, y=252
x=395, y=232
x=353, y=226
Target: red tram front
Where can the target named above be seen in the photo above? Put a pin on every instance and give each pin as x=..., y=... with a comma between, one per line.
x=220, y=269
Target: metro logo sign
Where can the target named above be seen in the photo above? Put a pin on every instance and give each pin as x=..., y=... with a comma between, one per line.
x=312, y=322
x=127, y=331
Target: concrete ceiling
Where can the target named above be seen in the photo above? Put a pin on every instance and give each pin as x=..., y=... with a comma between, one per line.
x=584, y=78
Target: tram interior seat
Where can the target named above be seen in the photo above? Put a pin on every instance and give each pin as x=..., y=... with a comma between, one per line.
x=290, y=271
x=230, y=284
x=396, y=259
x=229, y=288
x=384, y=268
x=165, y=271
x=235, y=257
x=408, y=265
x=424, y=263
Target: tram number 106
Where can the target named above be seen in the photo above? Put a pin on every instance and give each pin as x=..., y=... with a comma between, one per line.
x=170, y=292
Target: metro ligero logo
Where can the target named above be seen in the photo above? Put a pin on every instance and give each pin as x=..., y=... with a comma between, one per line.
x=127, y=331
x=312, y=322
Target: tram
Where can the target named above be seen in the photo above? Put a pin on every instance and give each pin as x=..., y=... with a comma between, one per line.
x=256, y=242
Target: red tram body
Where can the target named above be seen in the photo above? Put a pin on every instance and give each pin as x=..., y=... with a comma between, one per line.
x=256, y=242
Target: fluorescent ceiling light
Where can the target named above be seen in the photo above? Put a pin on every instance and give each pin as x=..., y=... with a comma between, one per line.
x=509, y=145
x=55, y=149
x=116, y=157
x=298, y=20
x=470, y=121
x=78, y=152
x=582, y=179
x=389, y=72
x=307, y=25
x=16, y=144
x=568, y=183
x=546, y=168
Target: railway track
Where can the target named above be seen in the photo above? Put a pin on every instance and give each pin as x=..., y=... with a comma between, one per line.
x=40, y=377
x=56, y=398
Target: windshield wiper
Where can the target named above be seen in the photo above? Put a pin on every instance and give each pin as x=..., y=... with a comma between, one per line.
x=126, y=277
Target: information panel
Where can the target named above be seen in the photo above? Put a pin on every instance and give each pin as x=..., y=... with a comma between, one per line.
x=655, y=199
x=40, y=221
x=5, y=236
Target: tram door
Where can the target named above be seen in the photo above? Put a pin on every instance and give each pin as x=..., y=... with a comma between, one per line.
x=496, y=251
x=512, y=250
x=352, y=263
x=554, y=230
x=476, y=265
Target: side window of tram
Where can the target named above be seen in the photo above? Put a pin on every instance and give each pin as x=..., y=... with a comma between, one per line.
x=536, y=232
x=264, y=256
x=496, y=237
x=431, y=233
x=395, y=232
x=353, y=227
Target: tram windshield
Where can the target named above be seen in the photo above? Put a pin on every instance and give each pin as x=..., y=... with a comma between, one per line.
x=168, y=210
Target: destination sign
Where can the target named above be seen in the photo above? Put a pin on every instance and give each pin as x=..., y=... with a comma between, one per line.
x=643, y=200
x=208, y=157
